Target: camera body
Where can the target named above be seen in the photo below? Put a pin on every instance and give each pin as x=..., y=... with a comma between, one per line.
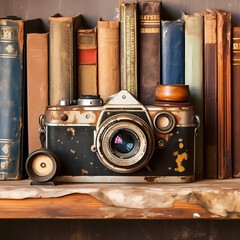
x=121, y=141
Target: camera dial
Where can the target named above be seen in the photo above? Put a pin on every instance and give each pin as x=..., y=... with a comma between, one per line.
x=90, y=100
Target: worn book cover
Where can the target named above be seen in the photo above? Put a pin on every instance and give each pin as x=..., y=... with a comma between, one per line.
x=128, y=43
x=194, y=77
x=108, y=58
x=63, y=57
x=13, y=112
x=236, y=99
x=87, y=62
x=11, y=98
x=210, y=95
x=172, y=54
x=149, y=16
x=224, y=25
x=37, y=84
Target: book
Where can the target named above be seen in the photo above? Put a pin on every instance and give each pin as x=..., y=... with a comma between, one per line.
x=149, y=50
x=108, y=58
x=13, y=133
x=224, y=24
x=63, y=57
x=210, y=95
x=128, y=46
x=172, y=55
x=37, y=85
x=236, y=100
x=194, y=78
x=11, y=98
x=87, y=62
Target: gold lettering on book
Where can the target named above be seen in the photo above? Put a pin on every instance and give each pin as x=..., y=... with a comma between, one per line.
x=150, y=17
x=150, y=30
x=10, y=48
x=7, y=34
x=4, y=165
x=236, y=46
x=6, y=148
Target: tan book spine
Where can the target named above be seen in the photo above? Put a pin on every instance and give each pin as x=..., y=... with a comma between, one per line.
x=87, y=74
x=108, y=58
x=224, y=94
x=62, y=57
x=87, y=62
x=37, y=84
x=194, y=77
x=128, y=43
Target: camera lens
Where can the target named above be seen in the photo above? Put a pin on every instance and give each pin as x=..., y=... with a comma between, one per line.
x=123, y=142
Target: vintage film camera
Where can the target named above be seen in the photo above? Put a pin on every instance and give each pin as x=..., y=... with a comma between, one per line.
x=121, y=141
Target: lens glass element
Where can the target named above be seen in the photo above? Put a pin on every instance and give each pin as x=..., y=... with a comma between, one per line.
x=122, y=142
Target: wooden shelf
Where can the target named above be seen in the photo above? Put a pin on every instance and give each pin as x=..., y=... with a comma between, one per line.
x=208, y=199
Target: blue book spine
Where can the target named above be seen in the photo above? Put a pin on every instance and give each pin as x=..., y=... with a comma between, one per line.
x=11, y=88
x=172, y=56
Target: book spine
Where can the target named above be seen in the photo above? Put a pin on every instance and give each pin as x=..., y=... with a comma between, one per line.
x=172, y=42
x=149, y=50
x=210, y=97
x=87, y=62
x=62, y=58
x=224, y=94
x=11, y=97
x=108, y=58
x=194, y=77
x=128, y=45
x=37, y=84
x=236, y=99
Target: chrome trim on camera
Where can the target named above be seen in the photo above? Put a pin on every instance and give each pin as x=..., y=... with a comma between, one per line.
x=125, y=179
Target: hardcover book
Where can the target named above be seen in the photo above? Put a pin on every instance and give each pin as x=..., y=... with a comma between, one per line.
x=224, y=24
x=210, y=95
x=63, y=57
x=13, y=114
x=194, y=77
x=87, y=62
x=128, y=46
x=11, y=98
x=108, y=58
x=236, y=99
x=149, y=50
x=172, y=42
x=37, y=84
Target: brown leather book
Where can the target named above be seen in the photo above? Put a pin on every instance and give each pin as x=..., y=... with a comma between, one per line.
x=37, y=84
x=224, y=24
x=63, y=57
x=87, y=62
x=128, y=43
x=108, y=58
x=149, y=50
x=236, y=99
x=210, y=91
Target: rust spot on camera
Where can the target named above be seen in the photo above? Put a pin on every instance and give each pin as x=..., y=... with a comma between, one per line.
x=179, y=160
x=150, y=179
x=84, y=172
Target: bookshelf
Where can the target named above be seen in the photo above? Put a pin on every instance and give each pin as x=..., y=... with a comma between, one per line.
x=205, y=199
x=89, y=207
